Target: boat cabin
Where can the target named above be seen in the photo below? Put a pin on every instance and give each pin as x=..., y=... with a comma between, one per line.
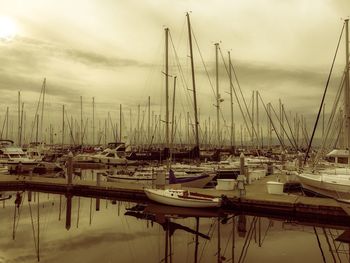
x=338, y=156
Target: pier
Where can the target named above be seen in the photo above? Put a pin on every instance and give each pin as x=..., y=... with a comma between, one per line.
x=256, y=201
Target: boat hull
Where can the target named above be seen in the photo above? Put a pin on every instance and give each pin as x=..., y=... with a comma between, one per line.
x=330, y=188
x=158, y=196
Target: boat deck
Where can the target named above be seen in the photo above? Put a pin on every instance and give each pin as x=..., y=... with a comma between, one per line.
x=255, y=201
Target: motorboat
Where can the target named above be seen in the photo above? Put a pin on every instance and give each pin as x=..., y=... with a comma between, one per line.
x=111, y=157
x=15, y=158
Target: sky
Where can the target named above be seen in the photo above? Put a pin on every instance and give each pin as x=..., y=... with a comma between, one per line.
x=114, y=51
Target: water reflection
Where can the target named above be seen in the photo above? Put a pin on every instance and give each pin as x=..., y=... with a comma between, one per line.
x=55, y=228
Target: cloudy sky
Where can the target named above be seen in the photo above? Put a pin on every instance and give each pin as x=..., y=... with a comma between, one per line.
x=114, y=51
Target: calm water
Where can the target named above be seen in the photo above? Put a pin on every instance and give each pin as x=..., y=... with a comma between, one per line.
x=117, y=234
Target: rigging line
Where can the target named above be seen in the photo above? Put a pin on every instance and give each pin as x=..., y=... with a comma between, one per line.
x=240, y=90
x=70, y=128
x=334, y=110
x=267, y=229
x=254, y=132
x=205, y=68
x=319, y=245
x=3, y=125
x=19, y=213
x=335, y=245
x=330, y=120
x=339, y=132
x=336, y=101
x=84, y=129
x=329, y=244
x=290, y=128
x=239, y=104
x=36, y=111
x=211, y=228
x=182, y=76
x=33, y=227
x=324, y=95
x=228, y=241
x=273, y=125
x=248, y=237
x=294, y=146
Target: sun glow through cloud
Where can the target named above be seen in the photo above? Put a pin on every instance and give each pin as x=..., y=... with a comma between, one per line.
x=8, y=28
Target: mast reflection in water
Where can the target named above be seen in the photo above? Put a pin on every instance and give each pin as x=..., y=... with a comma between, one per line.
x=54, y=228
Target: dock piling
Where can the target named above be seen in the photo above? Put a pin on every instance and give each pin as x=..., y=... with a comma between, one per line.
x=69, y=166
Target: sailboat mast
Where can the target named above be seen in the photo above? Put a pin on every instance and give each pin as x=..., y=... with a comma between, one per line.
x=166, y=87
x=193, y=82
x=120, y=123
x=93, y=120
x=62, y=126
x=173, y=115
x=231, y=101
x=19, y=118
x=217, y=95
x=42, y=112
x=7, y=122
x=346, y=92
x=81, y=120
x=149, y=121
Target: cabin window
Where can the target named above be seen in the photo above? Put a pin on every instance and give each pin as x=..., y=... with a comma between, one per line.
x=342, y=160
x=330, y=159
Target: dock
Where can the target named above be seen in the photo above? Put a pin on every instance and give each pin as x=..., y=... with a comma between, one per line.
x=256, y=201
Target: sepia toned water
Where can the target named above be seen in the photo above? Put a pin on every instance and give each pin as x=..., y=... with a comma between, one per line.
x=72, y=230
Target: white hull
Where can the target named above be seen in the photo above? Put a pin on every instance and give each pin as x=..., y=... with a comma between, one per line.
x=166, y=197
x=335, y=186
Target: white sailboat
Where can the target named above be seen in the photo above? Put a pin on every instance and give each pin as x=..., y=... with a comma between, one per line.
x=335, y=183
x=179, y=197
x=183, y=198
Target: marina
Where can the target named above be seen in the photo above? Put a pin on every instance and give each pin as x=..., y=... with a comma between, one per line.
x=255, y=200
x=168, y=132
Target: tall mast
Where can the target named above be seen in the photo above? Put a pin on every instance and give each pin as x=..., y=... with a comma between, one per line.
x=193, y=83
x=130, y=131
x=120, y=123
x=19, y=119
x=149, y=121
x=62, y=126
x=7, y=122
x=138, y=126
x=217, y=94
x=347, y=87
x=231, y=101
x=21, y=125
x=173, y=114
x=253, y=118
x=166, y=88
x=42, y=111
x=81, y=120
x=258, y=137
x=93, y=120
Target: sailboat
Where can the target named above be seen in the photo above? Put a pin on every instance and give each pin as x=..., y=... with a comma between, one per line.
x=334, y=184
x=180, y=197
x=183, y=198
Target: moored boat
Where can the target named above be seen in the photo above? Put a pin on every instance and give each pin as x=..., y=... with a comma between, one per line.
x=15, y=158
x=183, y=198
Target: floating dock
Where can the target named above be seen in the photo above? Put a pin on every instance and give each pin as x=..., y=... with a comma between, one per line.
x=256, y=200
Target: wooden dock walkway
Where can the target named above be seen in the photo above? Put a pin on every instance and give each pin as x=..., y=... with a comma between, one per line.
x=256, y=200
